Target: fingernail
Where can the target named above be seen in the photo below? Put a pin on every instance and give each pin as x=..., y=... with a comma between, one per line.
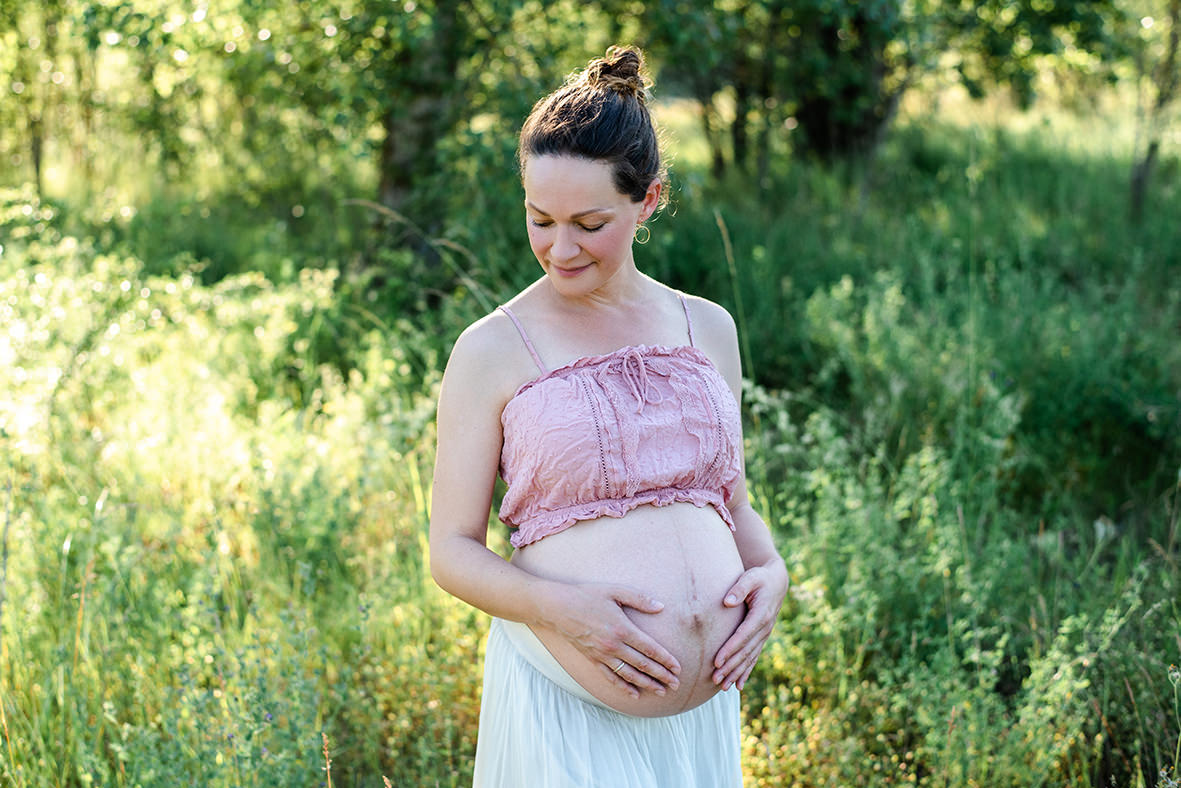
x=657, y=604
x=660, y=691
x=718, y=678
x=731, y=599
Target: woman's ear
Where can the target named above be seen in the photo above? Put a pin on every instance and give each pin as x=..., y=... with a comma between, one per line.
x=651, y=199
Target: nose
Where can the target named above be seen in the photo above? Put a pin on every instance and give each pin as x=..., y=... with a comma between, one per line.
x=564, y=246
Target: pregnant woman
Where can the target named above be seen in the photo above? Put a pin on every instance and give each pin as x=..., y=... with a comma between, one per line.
x=643, y=585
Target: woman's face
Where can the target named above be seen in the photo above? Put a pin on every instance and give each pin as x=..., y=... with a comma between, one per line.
x=580, y=227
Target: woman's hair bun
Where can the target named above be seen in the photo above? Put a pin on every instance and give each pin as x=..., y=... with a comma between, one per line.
x=600, y=113
x=621, y=70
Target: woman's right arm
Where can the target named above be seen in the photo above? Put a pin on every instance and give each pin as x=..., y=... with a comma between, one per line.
x=474, y=391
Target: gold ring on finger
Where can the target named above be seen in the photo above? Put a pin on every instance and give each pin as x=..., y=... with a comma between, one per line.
x=618, y=667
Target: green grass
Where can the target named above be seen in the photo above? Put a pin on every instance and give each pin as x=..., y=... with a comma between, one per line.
x=962, y=425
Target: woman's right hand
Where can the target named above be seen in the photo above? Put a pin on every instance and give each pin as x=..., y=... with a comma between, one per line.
x=591, y=616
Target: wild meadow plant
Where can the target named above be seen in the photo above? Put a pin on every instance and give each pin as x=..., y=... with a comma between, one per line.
x=971, y=458
x=962, y=426
x=215, y=541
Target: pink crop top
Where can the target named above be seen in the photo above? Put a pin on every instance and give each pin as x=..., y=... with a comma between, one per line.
x=603, y=435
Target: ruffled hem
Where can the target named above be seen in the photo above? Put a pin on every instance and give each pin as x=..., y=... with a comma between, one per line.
x=689, y=352
x=547, y=523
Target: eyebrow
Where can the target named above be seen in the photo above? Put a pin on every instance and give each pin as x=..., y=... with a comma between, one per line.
x=578, y=215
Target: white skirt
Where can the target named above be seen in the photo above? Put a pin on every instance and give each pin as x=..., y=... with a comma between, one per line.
x=540, y=729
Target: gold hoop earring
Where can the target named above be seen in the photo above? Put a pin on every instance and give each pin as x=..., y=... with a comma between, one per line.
x=647, y=234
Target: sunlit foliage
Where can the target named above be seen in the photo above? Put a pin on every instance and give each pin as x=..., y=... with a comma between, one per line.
x=227, y=292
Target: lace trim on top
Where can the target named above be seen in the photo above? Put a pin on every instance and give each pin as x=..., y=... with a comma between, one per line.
x=556, y=520
x=603, y=435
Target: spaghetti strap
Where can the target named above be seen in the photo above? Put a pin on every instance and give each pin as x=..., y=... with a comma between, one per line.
x=524, y=336
x=688, y=320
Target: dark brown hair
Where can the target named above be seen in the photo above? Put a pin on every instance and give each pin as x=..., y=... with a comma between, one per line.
x=600, y=113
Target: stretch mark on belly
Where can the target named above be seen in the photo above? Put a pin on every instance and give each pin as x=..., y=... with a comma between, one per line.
x=697, y=621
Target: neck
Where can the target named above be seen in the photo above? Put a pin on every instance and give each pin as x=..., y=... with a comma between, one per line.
x=627, y=289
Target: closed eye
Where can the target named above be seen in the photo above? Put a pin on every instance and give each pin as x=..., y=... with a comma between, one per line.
x=542, y=223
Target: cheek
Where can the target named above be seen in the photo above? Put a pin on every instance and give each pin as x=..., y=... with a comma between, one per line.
x=537, y=240
x=618, y=238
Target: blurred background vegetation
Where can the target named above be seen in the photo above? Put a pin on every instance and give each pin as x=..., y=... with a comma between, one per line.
x=238, y=238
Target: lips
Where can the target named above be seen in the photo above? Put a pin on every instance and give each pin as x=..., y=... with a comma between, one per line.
x=571, y=271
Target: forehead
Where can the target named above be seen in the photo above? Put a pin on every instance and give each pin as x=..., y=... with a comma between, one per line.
x=568, y=185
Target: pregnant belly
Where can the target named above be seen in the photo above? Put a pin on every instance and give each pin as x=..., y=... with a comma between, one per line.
x=680, y=555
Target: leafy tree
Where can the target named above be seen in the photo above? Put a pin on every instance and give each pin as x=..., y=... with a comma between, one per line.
x=30, y=37
x=416, y=88
x=150, y=90
x=400, y=77
x=834, y=71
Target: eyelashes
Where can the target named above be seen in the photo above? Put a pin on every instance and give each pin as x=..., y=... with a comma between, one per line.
x=590, y=229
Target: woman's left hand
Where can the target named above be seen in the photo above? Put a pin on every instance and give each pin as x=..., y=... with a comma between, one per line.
x=762, y=589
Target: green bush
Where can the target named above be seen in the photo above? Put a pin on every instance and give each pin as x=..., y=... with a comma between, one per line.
x=962, y=426
x=215, y=537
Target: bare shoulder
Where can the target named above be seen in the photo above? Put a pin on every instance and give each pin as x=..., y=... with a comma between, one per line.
x=709, y=318
x=480, y=341
x=490, y=357
x=715, y=333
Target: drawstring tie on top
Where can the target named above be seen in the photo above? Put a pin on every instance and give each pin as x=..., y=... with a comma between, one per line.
x=634, y=369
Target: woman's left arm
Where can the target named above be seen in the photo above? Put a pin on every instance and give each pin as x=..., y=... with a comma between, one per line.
x=763, y=585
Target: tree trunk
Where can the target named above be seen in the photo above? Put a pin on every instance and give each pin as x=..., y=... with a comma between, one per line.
x=85, y=72
x=1165, y=78
x=766, y=98
x=414, y=125
x=36, y=150
x=848, y=120
x=1141, y=173
x=742, y=99
x=703, y=92
x=394, y=185
x=39, y=130
x=717, y=155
